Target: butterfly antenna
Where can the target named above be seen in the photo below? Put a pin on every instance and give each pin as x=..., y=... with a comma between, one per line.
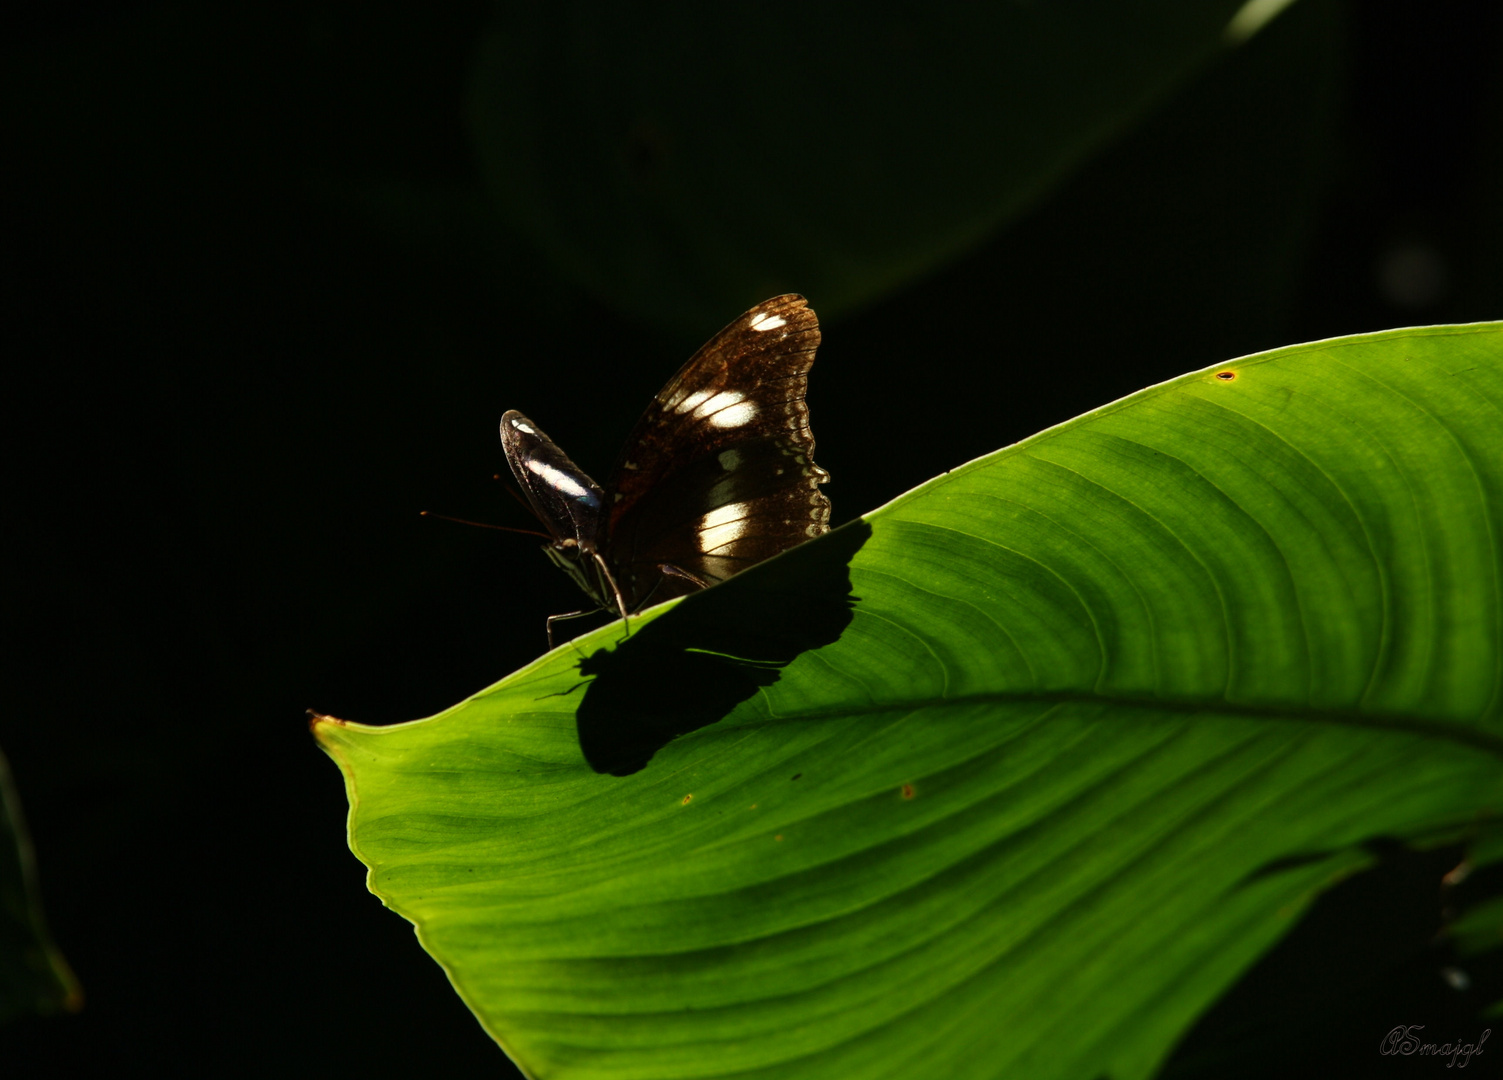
x=482, y=524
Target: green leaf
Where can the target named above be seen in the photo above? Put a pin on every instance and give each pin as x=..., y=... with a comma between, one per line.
x=839, y=152
x=34, y=977
x=1114, y=704
x=1478, y=928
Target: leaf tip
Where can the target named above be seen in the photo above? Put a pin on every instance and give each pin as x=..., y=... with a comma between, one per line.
x=323, y=727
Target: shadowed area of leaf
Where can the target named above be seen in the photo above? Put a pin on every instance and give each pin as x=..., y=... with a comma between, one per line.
x=678, y=675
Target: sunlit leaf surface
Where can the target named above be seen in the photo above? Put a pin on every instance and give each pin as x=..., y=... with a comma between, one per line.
x=1114, y=704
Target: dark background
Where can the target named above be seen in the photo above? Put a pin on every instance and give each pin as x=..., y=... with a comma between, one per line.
x=260, y=312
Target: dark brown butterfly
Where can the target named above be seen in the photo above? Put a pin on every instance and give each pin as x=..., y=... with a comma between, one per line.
x=718, y=474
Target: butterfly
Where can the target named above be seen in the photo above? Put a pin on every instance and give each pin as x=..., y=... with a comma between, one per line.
x=717, y=475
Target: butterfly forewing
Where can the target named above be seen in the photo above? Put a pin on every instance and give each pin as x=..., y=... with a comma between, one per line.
x=563, y=497
x=719, y=473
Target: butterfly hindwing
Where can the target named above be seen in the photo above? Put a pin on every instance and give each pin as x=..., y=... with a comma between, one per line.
x=719, y=473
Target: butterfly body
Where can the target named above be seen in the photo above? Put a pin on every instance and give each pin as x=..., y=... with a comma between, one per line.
x=717, y=475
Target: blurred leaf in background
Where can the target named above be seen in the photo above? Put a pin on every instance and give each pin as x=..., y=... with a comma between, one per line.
x=34, y=977
x=836, y=151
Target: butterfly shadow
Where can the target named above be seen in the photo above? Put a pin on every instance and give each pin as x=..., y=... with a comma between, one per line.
x=691, y=667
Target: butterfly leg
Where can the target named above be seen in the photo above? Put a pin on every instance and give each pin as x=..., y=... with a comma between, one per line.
x=615, y=590
x=669, y=570
x=678, y=572
x=560, y=618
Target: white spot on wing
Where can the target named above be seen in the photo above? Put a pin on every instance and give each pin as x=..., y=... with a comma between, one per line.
x=692, y=401
x=558, y=479
x=709, y=403
x=734, y=416
x=764, y=321
x=722, y=526
x=729, y=459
